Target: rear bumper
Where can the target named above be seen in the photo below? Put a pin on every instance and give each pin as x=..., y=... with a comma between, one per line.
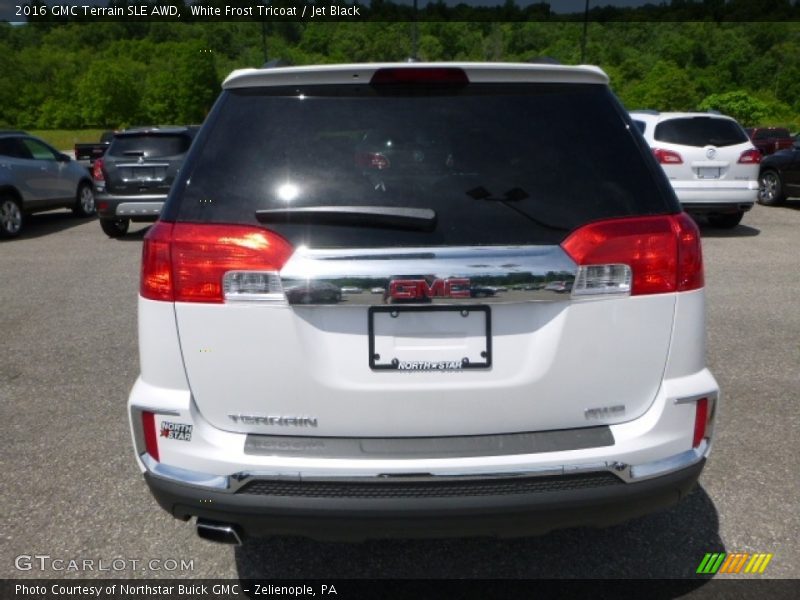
x=712, y=199
x=136, y=208
x=515, y=512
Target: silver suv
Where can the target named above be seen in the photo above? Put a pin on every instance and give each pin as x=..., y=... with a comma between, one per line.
x=34, y=177
x=420, y=299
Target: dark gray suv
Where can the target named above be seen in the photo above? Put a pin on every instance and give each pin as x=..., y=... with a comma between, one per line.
x=134, y=176
x=35, y=177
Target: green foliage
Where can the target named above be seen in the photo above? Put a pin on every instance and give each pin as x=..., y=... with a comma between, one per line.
x=738, y=104
x=119, y=73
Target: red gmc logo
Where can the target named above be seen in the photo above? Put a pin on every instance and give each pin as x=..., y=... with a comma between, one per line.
x=415, y=289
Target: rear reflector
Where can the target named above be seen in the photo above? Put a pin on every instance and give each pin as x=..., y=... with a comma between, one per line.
x=150, y=434
x=750, y=157
x=663, y=255
x=700, y=422
x=420, y=76
x=187, y=262
x=667, y=157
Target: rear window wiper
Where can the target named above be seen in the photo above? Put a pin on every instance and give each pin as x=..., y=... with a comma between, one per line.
x=392, y=217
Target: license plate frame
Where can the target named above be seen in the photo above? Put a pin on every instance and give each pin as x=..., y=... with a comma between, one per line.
x=709, y=172
x=378, y=364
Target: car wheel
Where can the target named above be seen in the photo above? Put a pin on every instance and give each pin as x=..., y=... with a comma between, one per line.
x=10, y=217
x=770, y=189
x=84, y=201
x=726, y=221
x=115, y=227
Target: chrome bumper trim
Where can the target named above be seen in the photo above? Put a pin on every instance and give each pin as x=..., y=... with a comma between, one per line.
x=133, y=209
x=232, y=483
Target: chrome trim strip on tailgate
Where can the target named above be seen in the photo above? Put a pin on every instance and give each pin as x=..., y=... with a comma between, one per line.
x=439, y=275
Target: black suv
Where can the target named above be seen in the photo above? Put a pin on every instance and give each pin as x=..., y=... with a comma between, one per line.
x=134, y=176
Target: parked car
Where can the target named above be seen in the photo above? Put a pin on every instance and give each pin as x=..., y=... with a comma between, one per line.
x=134, y=176
x=770, y=139
x=780, y=177
x=262, y=412
x=34, y=177
x=86, y=154
x=708, y=159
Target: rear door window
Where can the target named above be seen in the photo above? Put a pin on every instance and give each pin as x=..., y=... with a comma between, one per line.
x=499, y=164
x=700, y=132
x=150, y=145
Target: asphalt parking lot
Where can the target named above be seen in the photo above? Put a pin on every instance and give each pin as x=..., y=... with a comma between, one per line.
x=71, y=488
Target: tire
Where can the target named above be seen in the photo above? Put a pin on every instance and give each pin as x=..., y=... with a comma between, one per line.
x=84, y=201
x=11, y=217
x=115, y=228
x=726, y=221
x=770, y=188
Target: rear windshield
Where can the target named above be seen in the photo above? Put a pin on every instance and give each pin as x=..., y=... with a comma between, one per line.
x=499, y=164
x=765, y=134
x=150, y=145
x=700, y=131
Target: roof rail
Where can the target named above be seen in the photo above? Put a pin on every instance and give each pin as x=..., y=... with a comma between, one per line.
x=275, y=63
x=544, y=60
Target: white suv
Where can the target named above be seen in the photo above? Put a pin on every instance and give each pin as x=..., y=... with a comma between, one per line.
x=319, y=354
x=709, y=160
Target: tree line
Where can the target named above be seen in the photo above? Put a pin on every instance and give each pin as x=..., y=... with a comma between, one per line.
x=112, y=74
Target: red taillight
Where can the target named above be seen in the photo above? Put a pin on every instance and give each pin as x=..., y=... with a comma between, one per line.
x=663, y=252
x=97, y=170
x=750, y=157
x=185, y=262
x=700, y=422
x=150, y=434
x=420, y=75
x=667, y=157
x=372, y=160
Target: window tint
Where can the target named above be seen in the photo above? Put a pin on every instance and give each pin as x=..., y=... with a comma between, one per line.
x=765, y=134
x=700, y=131
x=500, y=164
x=150, y=145
x=640, y=125
x=38, y=150
x=13, y=147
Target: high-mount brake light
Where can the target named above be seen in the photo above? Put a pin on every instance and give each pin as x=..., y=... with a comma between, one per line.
x=637, y=255
x=187, y=262
x=97, y=170
x=420, y=76
x=667, y=157
x=750, y=157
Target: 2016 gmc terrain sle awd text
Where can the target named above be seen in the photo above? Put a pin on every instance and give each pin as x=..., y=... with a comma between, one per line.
x=316, y=358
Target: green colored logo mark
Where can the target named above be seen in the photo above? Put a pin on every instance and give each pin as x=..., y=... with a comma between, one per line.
x=722, y=562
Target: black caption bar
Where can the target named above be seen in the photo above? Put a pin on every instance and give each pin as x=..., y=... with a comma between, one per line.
x=226, y=589
x=399, y=10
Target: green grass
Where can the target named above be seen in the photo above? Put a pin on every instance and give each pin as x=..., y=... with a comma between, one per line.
x=65, y=139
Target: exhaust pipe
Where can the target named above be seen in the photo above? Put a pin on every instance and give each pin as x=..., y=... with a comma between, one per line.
x=222, y=533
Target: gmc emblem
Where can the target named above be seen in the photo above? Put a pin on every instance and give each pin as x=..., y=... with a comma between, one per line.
x=417, y=289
